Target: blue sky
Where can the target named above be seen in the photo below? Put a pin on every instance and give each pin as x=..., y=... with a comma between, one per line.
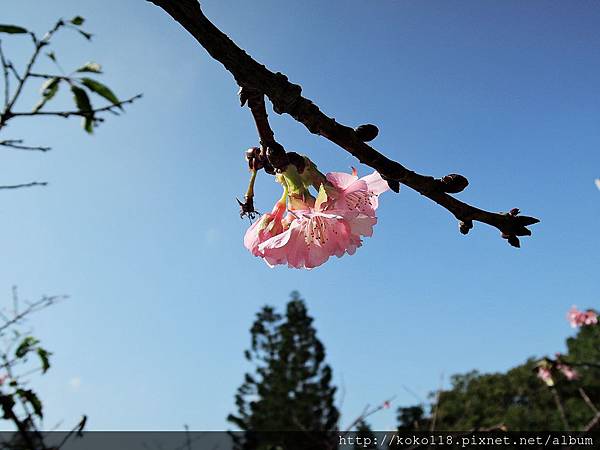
x=140, y=228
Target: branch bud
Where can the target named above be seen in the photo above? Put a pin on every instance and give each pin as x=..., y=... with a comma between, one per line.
x=465, y=225
x=366, y=132
x=453, y=183
x=512, y=239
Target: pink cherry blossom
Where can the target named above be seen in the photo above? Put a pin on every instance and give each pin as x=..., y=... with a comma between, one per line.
x=545, y=375
x=311, y=238
x=581, y=318
x=269, y=225
x=355, y=194
x=316, y=229
x=569, y=373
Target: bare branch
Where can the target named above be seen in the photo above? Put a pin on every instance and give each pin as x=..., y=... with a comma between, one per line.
x=6, y=77
x=18, y=145
x=286, y=98
x=30, y=308
x=25, y=185
x=368, y=412
x=109, y=108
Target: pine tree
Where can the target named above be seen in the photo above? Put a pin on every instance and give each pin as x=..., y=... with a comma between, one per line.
x=290, y=388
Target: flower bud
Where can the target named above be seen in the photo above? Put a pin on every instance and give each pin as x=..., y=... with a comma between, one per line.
x=465, y=225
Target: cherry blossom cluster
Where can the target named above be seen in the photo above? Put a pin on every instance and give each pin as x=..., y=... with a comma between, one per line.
x=304, y=231
x=582, y=318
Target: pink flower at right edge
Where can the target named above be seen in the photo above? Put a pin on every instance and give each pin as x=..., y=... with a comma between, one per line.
x=334, y=227
x=581, y=318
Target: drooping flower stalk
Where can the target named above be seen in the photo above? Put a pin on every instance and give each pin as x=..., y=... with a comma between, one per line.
x=247, y=208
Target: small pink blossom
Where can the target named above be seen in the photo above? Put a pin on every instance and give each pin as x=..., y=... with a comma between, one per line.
x=269, y=225
x=581, y=318
x=545, y=375
x=569, y=373
x=355, y=194
x=386, y=405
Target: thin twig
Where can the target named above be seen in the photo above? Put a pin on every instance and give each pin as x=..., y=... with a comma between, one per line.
x=25, y=185
x=38, y=45
x=76, y=429
x=5, y=73
x=368, y=412
x=109, y=108
x=32, y=307
x=17, y=144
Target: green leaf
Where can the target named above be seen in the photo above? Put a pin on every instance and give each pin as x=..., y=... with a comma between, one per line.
x=31, y=397
x=90, y=67
x=101, y=89
x=77, y=20
x=49, y=90
x=44, y=358
x=12, y=29
x=25, y=346
x=82, y=101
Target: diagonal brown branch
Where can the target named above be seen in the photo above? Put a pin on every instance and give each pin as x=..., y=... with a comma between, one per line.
x=287, y=98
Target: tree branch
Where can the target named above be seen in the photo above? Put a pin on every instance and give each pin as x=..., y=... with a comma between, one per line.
x=286, y=98
x=108, y=108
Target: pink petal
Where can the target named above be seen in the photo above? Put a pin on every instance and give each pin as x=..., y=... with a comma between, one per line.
x=375, y=183
x=341, y=180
